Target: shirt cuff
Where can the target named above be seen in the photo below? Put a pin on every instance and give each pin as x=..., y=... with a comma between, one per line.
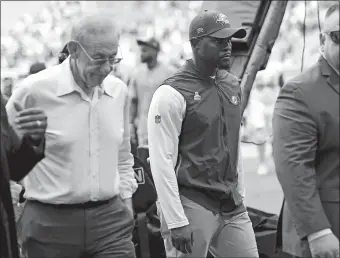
x=319, y=234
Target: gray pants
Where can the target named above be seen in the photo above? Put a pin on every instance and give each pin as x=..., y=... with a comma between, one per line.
x=224, y=236
x=100, y=232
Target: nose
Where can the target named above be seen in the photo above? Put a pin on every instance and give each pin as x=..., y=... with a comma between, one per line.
x=228, y=46
x=106, y=68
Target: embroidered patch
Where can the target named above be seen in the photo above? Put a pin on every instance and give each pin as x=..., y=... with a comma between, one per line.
x=221, y=19
x=158, y=119
x=197, y=96
x=235, y=100
x=139, y=175
x=199, y=30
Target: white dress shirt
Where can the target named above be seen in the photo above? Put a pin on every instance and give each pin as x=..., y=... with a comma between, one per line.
x=170, y=105
x=87, y=154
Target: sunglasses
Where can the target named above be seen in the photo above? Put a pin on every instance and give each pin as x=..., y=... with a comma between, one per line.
x=335, y=36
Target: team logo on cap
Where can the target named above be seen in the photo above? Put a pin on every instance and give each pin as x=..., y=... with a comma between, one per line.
x=221, y=19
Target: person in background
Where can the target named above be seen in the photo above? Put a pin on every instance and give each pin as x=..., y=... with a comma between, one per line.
x=281, y=80
x=22, y=147
x=79, y=196
x=306, y=146
x=7, y=88
x=256, y=125
x=194, y=126
x=143, y=83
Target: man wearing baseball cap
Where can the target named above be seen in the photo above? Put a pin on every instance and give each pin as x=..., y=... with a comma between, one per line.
x=193, y=128
x=145, y=80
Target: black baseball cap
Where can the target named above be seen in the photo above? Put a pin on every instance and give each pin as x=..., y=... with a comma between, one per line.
x=152, y=42
x=213, y=24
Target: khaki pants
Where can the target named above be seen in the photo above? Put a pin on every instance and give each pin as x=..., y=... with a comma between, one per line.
x=224, y=236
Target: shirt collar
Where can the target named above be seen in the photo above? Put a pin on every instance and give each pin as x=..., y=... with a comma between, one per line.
x=67, y=84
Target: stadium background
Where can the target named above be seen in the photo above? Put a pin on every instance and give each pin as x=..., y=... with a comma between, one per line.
x=37, y=30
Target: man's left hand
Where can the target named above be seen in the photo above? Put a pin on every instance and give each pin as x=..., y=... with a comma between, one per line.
x=128, y=203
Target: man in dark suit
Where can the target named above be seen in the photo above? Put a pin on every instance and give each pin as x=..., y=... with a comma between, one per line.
x=22, y=146
x=306, y=152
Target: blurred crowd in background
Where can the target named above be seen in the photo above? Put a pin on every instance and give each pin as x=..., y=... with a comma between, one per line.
x=34, y=41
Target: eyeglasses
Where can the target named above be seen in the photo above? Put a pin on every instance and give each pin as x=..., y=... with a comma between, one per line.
x=101, y=61
x=334, y=35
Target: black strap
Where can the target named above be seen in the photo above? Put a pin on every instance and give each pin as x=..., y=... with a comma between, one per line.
x=143, y=235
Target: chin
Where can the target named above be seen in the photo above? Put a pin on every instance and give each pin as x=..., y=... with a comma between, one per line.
x=224, y=64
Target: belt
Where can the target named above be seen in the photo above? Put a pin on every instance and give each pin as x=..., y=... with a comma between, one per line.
x=83, y=205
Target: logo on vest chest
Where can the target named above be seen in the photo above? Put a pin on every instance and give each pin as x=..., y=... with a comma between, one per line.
x=197, y=96
x=235, y=100
x=158, y=119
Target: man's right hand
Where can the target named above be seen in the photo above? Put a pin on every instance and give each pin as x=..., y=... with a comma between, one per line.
x=325, y=247
x=182, y=239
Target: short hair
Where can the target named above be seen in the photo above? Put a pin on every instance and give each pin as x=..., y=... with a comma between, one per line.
x=93, y=24
x=63, y=55
x=37, y=67
x=333, y=8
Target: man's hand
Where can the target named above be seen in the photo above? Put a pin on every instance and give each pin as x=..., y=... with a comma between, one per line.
x=31, y=122
x=15, y=191
x=128, y=204
x=182, y=239
x=325, y=247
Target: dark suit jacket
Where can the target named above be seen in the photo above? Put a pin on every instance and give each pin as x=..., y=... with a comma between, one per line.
x=16, y=162
x=306, y=154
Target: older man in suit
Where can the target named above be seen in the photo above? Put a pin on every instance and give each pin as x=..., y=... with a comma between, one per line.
x=22, y=147
x=306, y=152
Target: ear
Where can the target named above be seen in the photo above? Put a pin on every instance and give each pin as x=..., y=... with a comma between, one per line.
x=322, y=39
x=73, y=49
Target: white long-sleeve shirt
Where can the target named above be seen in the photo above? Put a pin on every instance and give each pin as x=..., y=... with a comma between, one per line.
x=166, y=113
x=87, y=153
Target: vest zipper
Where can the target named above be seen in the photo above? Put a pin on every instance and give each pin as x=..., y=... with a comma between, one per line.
x=222, y=114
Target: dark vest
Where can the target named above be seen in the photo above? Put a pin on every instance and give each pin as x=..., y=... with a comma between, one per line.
x=208, y=144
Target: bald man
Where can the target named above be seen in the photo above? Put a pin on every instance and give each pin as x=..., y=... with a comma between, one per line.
x=306, y=152
x=79, y=196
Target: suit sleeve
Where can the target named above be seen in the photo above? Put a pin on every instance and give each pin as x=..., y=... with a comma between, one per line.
x=21, y=156
x=295, y=144
x=22, y=160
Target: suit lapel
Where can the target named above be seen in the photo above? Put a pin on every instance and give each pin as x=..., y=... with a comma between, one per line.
x=333, y=81
x=331, y=76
